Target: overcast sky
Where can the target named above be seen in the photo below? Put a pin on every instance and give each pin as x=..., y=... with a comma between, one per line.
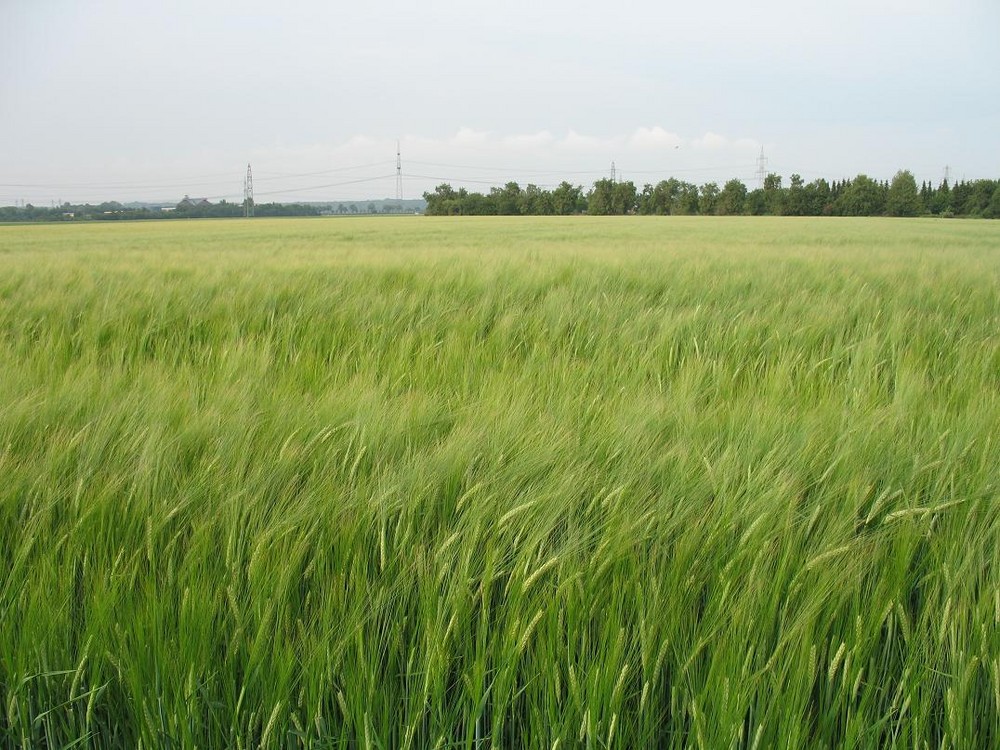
x=150, y=101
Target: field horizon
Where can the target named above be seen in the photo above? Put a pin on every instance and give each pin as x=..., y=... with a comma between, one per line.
x=500, y=482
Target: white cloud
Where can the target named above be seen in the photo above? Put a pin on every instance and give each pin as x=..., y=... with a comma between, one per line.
x=468, y=136
x=655, y=137
x=574, y=141
x=529, y=141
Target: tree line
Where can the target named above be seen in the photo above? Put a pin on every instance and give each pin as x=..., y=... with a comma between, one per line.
x=114, y=211
x=861, y=196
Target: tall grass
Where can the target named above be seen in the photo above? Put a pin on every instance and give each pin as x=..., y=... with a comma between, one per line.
x=531, y=483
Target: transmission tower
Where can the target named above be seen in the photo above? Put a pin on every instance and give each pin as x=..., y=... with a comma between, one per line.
x=612, y=171
x=248, y=193
x=399, y=174
x=947, y=172
x=761, y=168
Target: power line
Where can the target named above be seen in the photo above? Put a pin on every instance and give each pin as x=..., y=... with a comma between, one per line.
x=268, y=176
x=106, y=185
x=248, y=193
x=399, y=174
x=690, y=169
x=504, y=169
x=152, y=185
x=761, y=168
x=489, y=183
x=322, y=187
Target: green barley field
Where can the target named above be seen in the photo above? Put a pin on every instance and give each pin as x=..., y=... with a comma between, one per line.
x=500, y=483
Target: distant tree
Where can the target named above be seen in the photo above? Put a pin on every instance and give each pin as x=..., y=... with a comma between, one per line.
x=599, y=200
x=659, y=198
x=819, y=198
x=993, y=210
x=508, y=199
x=862, y=197
x=440, y=202
x=755, y=203
x=731, y=199
x=774, y=196
x=644, y=201
x=708, y=198
x=960, y=194
x=978, y=202
x=567, y=199
x=903, y=198
x=476, y=204
x=687, y=199
x=796, y=201
x=612, y=198
x=940, y=201
x=536, y=202
x=624, y=198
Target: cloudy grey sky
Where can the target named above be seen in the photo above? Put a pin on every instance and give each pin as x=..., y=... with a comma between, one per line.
x=116, y=99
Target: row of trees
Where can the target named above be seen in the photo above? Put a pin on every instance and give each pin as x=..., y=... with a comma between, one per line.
x=114, y=211
x=862, y=196
x=383, y=207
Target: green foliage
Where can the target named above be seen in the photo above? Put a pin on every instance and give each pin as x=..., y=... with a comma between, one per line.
x=993, y=210
x=755, y=203
x=568, y=199
x=903, y=198
x=600, y=200
x=508, y=200
x=611, y=198
x=861, y=197
x=731, y=199
x=818, y=198
x=708, y=198
x=669, y=197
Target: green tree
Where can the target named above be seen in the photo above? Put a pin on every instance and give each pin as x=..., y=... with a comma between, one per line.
x=993, y=210
x=536, y=202
x=612, y=198
x=796, y=201
x=708, y=198
x=755, y=204
x=439, y=203
x=599, y=201
x=819, y=198
x=961, y=192
x=731, y=198
x=941, y=202
x=508, y=199
x=862, y=197
x=644, y=201
x=624, y=198
x=567, y=199
x=903, y=198
x=978, y=202
x=687, y=199
x=774, y=196
x=663, y=196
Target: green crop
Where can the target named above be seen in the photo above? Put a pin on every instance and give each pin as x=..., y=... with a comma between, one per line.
x=432, y=483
